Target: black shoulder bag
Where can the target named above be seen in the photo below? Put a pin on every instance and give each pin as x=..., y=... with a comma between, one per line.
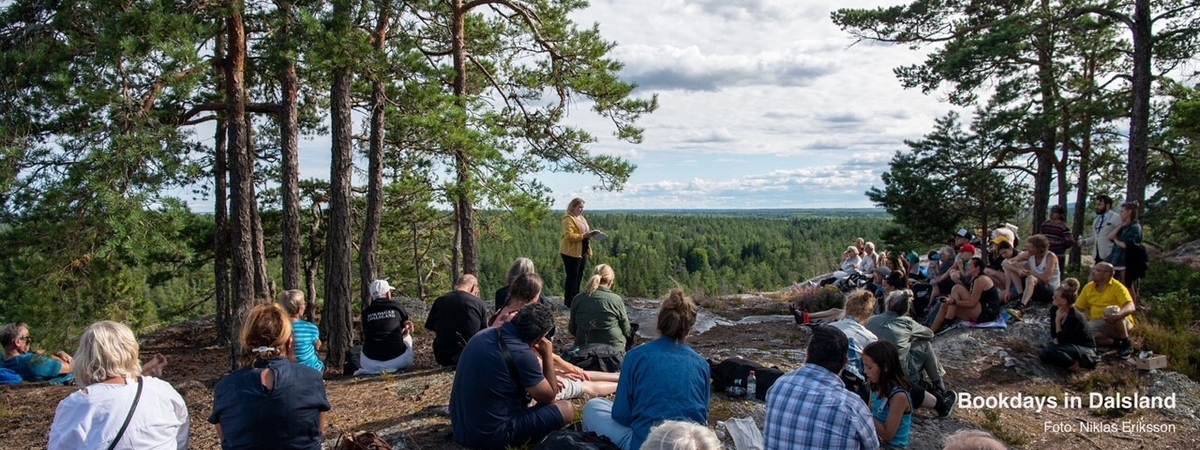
x=129, y=417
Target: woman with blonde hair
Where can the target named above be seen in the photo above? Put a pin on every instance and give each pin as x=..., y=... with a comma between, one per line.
x=271, y=402
x=680, y=435
x=575, y=248
x=598, y=315
x=118, y=406
x=662, y=379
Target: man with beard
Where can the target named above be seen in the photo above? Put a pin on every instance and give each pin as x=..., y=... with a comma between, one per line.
x=1107, y=220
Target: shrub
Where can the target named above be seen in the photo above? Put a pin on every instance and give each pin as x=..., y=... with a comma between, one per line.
x=812, y=298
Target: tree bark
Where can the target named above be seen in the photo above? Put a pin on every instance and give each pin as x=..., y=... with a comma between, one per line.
x=367, y=267
x=241, y=173
x=221, y=217
x=1139, y=112
x=1044, y=172
x=462, y=164
x=336, y=316
x=289, y=139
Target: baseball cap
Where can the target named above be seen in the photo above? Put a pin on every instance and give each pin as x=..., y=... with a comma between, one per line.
x=912, y=257
x=380, y=288
x=1000, y=238
x=964, y=233
x=967, y=248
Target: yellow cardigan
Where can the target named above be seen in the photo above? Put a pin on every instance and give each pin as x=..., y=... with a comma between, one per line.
x=572, y=239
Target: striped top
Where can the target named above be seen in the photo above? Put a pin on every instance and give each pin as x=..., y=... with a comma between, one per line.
x=307, y=336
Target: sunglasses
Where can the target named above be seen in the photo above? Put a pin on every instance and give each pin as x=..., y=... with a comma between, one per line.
x=27, y=339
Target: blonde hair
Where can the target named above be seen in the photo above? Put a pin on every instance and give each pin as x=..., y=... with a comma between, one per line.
x=972, y=440
x=574, y=202
x=106, y=349
x=677, y=315
x=1068, y=290
x=603, y=275
x=292, y=301
x=266, y=333
x=680, y=435
x=860, y=304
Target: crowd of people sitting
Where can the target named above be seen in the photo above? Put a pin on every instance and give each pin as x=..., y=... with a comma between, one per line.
x=512, y=387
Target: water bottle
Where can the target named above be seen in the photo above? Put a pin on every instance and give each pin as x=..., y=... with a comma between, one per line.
x=735, y=390
x=751, y=386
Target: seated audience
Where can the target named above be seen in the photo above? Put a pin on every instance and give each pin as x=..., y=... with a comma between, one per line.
x=850, y=260
x=271, y=402
x=1038, y=267
x=520, y=266
x=944, y=281
x=973, y=440
x=455, y=318
x=681, y=435
x=387, y=333
x=1071, y=347
x=980, y=303
x=308, y=337
x=598, y=315
x=870, y=259
x=498, y=371
x=891, y=406
x=914, y=266
x=106, y=364
x=573, y=382
x=878, y=280
x=30, y=365
x=1002, y=250
x=1109, y=309
x=914, y=342
x=810, y=407
x=660, y=380
x=859, y=305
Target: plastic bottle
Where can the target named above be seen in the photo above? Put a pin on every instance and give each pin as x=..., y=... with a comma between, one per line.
x=736, y=390
x=751, y=386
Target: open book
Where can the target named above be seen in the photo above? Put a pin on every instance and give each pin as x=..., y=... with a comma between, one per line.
x=599, y=236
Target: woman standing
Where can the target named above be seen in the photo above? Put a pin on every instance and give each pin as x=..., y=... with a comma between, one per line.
x=1058, y=233
x=574, y=248
x=598, y=315
x=271, y=402
x=660, y=380
x=115, y=392
x=1125, y=238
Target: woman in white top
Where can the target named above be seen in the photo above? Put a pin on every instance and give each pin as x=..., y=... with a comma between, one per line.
x=850, y=264
x=106, y=363
x=1038, y=266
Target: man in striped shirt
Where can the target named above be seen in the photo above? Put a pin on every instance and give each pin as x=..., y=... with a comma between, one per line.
x=811, y=408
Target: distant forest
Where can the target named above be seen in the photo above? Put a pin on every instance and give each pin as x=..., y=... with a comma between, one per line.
x=708, y=252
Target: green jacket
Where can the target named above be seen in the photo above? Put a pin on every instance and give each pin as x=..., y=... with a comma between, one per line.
x=599, y=318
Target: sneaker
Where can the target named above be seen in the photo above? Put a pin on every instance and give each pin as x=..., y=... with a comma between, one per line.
x=945, y=404
x=1015, y=314
x=948, y=326
x=1124, y=349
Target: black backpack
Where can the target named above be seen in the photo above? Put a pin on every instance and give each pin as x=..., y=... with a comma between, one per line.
x=571, y=440
x=595, y=357
x=725, y=372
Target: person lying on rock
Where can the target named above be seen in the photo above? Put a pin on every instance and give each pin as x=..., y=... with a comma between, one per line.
x=33, y=366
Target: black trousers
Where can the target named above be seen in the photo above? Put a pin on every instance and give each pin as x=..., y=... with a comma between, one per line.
x=1066, y=355
x=574, y=267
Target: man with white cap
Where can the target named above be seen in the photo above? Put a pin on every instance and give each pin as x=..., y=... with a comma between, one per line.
x=387, y=333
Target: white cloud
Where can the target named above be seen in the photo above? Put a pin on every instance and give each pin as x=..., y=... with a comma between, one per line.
x=668, y=67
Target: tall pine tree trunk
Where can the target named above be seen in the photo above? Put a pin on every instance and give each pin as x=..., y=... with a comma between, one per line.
x=336, y=318
x=1044, y=171
x=1139, y=113
x=367, y=267
x=289, y=132
x=241, y=174
x=465, y=214
x=221, y=214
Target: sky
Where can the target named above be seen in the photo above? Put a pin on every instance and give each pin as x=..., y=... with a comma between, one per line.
x=762, y=104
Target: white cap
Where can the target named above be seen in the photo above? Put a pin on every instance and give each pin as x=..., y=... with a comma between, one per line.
x=380, y=288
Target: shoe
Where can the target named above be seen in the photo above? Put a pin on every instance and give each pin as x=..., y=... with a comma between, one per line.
x=1124, y=349
x=800, y=316
x=1015, y=314
x=945, y=404
x=948, y=326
